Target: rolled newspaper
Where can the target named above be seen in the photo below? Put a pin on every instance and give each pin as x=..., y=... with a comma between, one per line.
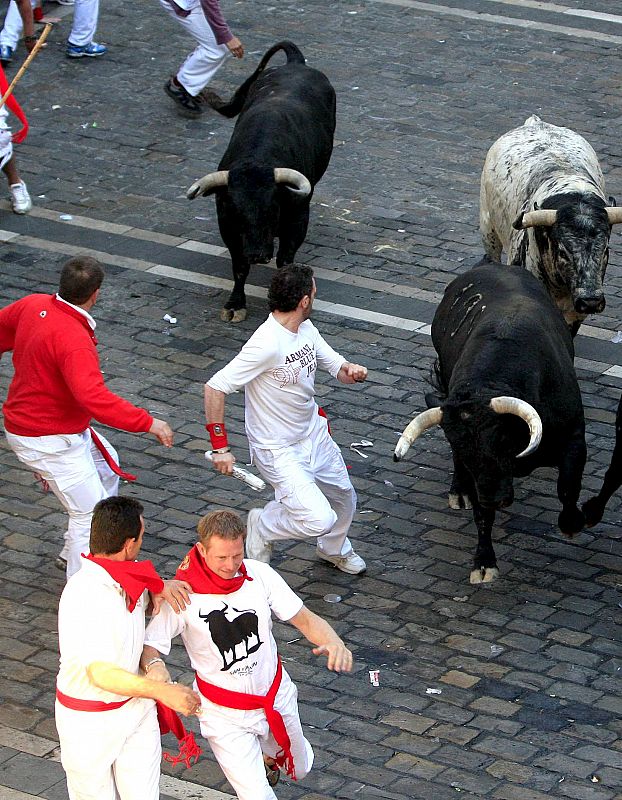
x=243, y=475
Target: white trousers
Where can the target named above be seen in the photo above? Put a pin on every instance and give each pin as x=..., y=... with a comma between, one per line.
x=313, y=495
x=13, y=25
x=111, y=755
x=85, y=15
x=78, y=476
x=239, y=738
x=6, y=145
x=204, y=62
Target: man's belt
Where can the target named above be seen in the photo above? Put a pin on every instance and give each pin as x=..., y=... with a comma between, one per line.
x=76, y=704
x=253, y=702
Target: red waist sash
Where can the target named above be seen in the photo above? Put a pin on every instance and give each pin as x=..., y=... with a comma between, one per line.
x=253, y=702
x=126, y=476
x=88, y=705
x=167, y=720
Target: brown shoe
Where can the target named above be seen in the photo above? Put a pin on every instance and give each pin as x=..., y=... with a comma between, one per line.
x=273, y=774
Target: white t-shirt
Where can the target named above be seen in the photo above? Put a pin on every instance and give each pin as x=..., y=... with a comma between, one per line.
x=277, y=370
x=228, y=637
x=95, y=625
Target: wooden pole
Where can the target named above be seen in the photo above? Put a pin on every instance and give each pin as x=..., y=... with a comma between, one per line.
x=26, y=64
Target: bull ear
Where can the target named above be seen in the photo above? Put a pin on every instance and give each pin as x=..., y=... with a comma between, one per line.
x=432, y=399
x=612, y=200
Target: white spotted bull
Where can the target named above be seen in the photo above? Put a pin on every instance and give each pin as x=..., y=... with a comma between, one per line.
x=542, y=200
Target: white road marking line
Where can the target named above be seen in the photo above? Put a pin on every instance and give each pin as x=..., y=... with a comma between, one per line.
x=225, y=284
x=497, y=19
x=184, y=790
x=557, y=9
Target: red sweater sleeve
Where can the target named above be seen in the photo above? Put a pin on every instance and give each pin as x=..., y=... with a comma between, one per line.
x=84, y=378
x=9, y=317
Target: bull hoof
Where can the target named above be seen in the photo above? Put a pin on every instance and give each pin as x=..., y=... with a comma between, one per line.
x=226, y=314
x=484, y=575
x=593, y=510
x=458, y=501
x=571, y=522
x=239, y=315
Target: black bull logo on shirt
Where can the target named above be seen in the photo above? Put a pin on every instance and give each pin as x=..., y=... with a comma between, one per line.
x=227, y=635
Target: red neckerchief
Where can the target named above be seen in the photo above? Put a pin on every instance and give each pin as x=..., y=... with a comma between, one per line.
x=73, y=312
x=133, y=577
x=15, y=107
x=204, y=580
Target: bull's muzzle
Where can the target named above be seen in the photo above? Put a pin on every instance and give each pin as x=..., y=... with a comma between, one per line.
x=502, y=498
x=590, y=305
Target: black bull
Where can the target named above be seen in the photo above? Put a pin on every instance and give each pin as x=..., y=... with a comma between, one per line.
x=505, y=358
x=594, y=508
x=279, y=149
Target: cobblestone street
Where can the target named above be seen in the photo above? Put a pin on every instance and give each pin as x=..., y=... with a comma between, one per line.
x=510, y=690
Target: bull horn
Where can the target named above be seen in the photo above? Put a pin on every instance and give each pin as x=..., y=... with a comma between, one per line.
x=614, y=214
x=296, y=180
x=543, y=217
x=208, y=183
x=522, y=409
x=427, y=419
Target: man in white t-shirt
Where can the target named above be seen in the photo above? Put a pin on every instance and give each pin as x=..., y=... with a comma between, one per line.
x=289, y=437
x=105, y=711
x=249, y=703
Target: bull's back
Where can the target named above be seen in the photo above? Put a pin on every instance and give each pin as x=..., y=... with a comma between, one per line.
x=287, y=120
x=504, y=306
x=527, y=164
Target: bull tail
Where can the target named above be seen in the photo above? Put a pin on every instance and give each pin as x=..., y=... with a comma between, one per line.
x=233, y=107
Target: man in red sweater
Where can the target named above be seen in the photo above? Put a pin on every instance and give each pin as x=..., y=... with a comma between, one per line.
x=57, y=389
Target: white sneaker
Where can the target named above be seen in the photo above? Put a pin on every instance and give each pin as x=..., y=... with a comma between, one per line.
x=350, y=563
x=256, y=547
x=65, y=2
x=20, y=199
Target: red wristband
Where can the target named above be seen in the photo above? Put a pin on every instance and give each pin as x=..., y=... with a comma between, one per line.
x=217, y=435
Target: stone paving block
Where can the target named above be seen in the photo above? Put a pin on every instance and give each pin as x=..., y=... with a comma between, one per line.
x=413, y=723
x=581, y=791
x=564, y=765
x=477, y=783
x=523, y=774
x=27, y=771
x=414, y=765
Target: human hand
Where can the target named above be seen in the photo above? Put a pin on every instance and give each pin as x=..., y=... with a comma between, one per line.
x=177, y=595
x=162, y=431
x=30, y=42
x=236, y=47
x=339, y=657
x=180, y=698
x=223, y=462
x=355, y=372
x=158, y=672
